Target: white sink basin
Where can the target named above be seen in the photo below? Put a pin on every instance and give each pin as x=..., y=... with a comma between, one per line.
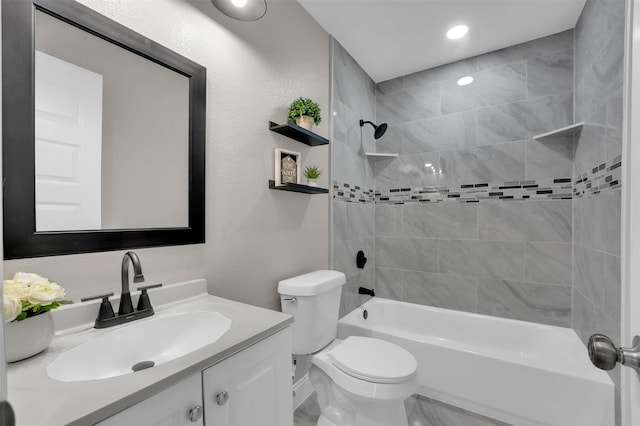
x=158, y=339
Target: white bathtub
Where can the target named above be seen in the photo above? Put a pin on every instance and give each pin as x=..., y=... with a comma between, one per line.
x=521, y=373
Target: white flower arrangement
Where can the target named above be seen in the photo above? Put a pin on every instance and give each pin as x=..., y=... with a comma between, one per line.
x=27, y=295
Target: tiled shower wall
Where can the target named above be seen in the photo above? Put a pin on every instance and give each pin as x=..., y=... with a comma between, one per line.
x=474, y=214
x=599, y=58
x=353, y=209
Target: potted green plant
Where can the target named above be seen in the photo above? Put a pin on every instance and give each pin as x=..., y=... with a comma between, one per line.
x=312, y=173
x=305, y=112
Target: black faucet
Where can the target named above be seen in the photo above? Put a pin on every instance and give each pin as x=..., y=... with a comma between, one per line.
x=126, y=313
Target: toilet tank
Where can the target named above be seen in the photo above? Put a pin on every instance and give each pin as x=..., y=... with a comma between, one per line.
x=314, y=301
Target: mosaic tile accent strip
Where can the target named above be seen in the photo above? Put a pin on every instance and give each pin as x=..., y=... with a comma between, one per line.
x=351, y=193
x=558, y=188
x=604, y=177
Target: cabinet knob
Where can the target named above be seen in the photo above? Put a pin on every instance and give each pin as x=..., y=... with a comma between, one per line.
x=222, y=398
x=195, y=413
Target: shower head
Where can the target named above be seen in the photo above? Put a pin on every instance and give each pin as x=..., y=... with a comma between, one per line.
x=379, y=129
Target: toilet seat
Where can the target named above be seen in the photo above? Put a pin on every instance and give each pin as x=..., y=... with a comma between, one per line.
x=373, y=360
x=354, y=375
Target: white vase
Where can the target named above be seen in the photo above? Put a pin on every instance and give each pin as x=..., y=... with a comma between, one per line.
x=305, y=121
x=312, y=182
x=26, y=338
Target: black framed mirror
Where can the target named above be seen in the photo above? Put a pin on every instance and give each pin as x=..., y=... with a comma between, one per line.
x=37, y=223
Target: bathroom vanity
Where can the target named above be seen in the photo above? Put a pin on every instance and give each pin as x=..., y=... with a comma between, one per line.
x=242, y=378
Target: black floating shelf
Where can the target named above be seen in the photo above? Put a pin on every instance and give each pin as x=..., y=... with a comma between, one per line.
x=293, y=131
x=296, y=187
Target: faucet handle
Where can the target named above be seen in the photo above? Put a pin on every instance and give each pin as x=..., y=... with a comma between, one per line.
x=147, y=287
x=101, y=296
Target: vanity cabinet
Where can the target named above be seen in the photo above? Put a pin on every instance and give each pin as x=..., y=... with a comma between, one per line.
x=251, y=387
x=171, y=407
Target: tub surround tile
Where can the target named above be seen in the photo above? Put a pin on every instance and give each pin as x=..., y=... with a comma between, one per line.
x=478, y=258
x=522, y=120
x=550, y=157
x=389, y=86
x=548, y=263
x=388, y=220
x=360, y=221
x=613, y=125
x=441, y=290
x=409, y=105
x=454, y=70
x=408, y=171
x=548, y=75
x=351, y=166
x=541, y=303
x=597, y=222
x=525, y=221
x=490, y=87
x=590, y=145
x=389, y=284
x=391, y=142
x=339, y=215
x=444, y=220
x=417, y=254
x=342, y=58
x=347, y=130
x=444, y=133
x=503, y=162
x=539, y=47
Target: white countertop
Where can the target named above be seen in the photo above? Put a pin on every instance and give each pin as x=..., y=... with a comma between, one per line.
x=40, y=400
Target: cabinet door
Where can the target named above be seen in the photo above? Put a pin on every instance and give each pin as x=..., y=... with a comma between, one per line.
x=171, y=407
x=252, y=387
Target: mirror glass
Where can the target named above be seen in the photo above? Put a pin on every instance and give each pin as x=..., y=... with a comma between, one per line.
x=111, y=134
x=103, y=143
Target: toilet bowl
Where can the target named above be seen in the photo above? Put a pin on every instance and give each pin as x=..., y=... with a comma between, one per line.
x=359, y=381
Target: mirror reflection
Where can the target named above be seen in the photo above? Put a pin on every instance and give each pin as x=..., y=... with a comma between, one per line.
x=112, y=134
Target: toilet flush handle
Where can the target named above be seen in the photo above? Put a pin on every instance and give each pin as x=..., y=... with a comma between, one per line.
x=291, y=299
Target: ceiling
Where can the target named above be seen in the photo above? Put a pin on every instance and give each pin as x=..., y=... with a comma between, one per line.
x=391, y=38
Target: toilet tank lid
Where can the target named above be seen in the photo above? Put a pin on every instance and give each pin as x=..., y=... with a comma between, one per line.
x=311, y=284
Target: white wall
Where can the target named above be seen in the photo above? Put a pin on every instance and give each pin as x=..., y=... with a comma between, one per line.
x=255, y=236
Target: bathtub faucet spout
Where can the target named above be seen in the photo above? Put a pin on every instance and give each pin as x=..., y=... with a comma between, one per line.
x=366, y=291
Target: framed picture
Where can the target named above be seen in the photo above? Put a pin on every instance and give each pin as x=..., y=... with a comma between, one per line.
x=287, y=167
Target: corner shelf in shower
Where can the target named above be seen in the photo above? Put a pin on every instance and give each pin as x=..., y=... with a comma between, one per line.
x=296, y=187
x=380, y=155
x=569, y=130
x=295, y=132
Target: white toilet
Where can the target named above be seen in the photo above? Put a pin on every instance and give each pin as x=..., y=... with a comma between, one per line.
x=360, y=381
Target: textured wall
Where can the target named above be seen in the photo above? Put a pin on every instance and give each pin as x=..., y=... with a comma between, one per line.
x=254, y=236
x=473, y=215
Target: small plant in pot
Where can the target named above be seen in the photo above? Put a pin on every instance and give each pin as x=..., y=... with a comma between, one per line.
x=305, y=112
x=312, y=173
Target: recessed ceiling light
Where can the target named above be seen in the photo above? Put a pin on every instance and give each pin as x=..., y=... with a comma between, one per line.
x=239, y=3
x=457, y=32
x=465, y=81
x=427, y=164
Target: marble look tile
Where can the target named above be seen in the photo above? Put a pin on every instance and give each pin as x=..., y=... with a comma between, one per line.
x=551, y=157
x=344, y=255
x=613, y=286
x=389, y=284
x=351, y=166
x=588, y=320
x=523, y=120
x=350, y=299
x=409, y=105
x=388, y=220
x=541, y=303
x=525, y=220
x=443, y=133
x=389, y=86
x=423, y=411
x=589, y=274
x=490, y=259
x=339, y=220
x=407, y=171
x=454, y=70
x=504, y=162
x=347, y=130
x=391, y=142
x=360, y=220
x=531, y=49
x=342, y=58
x=613, y=125
x=352, y=92
x=490, y=87
x=548, y=263
x=442, y=220
x=441, y=290
x=597, y=222
x=416, y=254
x=549, y=75
x=590, y=143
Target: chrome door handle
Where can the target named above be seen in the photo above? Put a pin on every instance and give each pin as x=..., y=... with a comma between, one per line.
x=195, y=413
x=604, y=354
x=222, y=398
